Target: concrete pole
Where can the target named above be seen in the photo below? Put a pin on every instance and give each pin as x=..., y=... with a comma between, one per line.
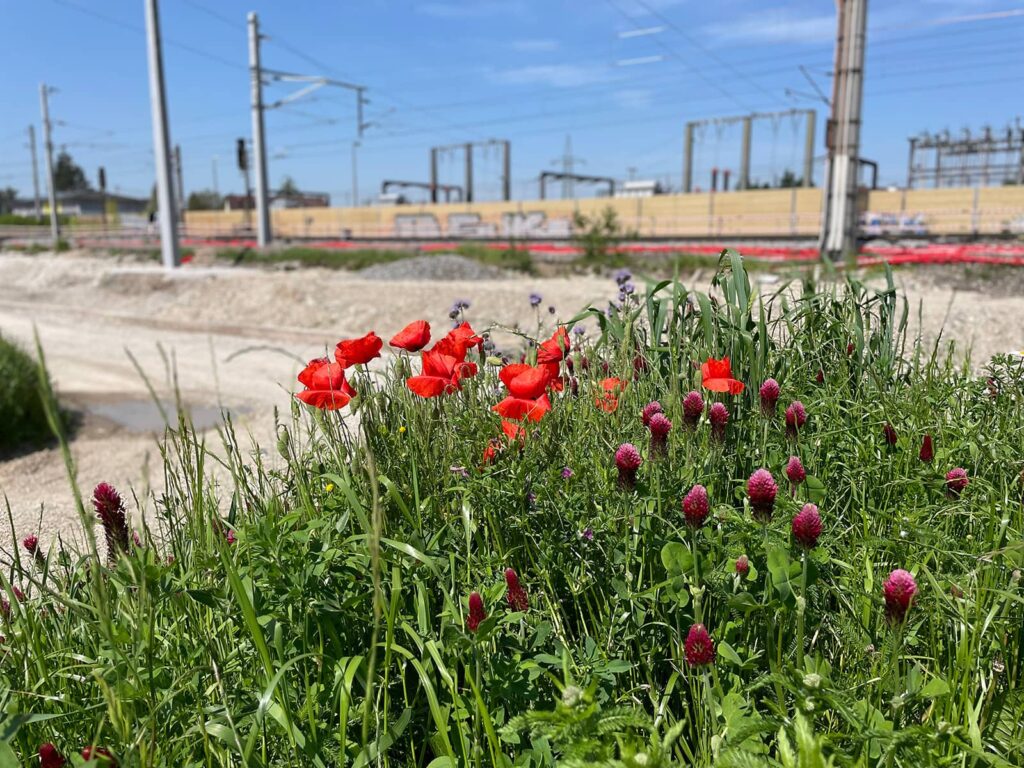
x=910, y=164
x=469, y=172
x=161, y=141
x=812, y=119
x=259, y=145
x=842, y=223
x=688, y=158
x=48, y=144
x=213, y=168
x=744, y=179
x=179, y=185
x=35, y=169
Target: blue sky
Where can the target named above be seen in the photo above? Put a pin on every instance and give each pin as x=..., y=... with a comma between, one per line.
x=532, y=71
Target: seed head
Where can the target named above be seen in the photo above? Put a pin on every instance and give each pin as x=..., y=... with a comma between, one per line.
x=719, y=417
x=476, y=612
x=927, y=452
x=49, y=757
x=796, y=417
x=761, y=490
x=693, y=407
x=899, y=591
x=517, y=598
x=956, y=482
x=110, y=510
x=890, y=434
x=807, y=526
x=650, y=409
x=700, y=648
x=696, y=506
x=742, y=565
x=795, y=471
x=769, y=392
x=628, y=461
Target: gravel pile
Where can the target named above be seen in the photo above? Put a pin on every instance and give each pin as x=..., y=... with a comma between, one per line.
x=441, y=266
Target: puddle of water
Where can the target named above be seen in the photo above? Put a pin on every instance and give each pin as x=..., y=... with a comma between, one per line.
x=143, y=415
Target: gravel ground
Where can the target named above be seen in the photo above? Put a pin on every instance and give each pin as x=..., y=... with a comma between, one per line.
x=441, y=266
x=238, y=336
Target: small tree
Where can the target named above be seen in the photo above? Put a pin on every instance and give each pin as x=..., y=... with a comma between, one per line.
x=204, y=200
x=7, y=198
x=68, y=176
x=288, y=188
x=598, y=236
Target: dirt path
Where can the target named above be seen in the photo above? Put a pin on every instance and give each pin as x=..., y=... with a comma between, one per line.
x=237, y=337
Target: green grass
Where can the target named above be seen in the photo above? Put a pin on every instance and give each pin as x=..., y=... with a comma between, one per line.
x=332, y=631
x=22, y=416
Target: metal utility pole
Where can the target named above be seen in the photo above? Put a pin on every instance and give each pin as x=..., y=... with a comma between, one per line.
x=839, y=225
x=213, y=168
x=469, y=172
x=35, y=168
x=161, y=141
x=44, y=101
x=259, y=147
x=179, y=184
x=101, y=179
x=433, y=174
x=568, y=166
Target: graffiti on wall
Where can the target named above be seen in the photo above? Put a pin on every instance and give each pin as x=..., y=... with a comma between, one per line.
x=513, y=225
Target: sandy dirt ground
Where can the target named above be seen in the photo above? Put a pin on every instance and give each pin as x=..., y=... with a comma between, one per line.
x=236, y=337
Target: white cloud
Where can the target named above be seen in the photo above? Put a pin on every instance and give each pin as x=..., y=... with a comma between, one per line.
x=779, y=26
x=471, y=9
x=557, y=75
x=534, y=45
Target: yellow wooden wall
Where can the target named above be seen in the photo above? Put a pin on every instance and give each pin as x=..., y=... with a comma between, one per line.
x=778, y=212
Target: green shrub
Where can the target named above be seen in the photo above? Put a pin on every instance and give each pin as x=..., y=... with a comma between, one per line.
x=21, y=409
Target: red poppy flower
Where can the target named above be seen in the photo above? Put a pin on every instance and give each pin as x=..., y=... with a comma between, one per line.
x=527, y=387
x=458, y=342
x=607, y=400
x=326, y=386
x=442, y=374
x=359, y=351
x=414, y=337
x=554, y=349
x=717, y=375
